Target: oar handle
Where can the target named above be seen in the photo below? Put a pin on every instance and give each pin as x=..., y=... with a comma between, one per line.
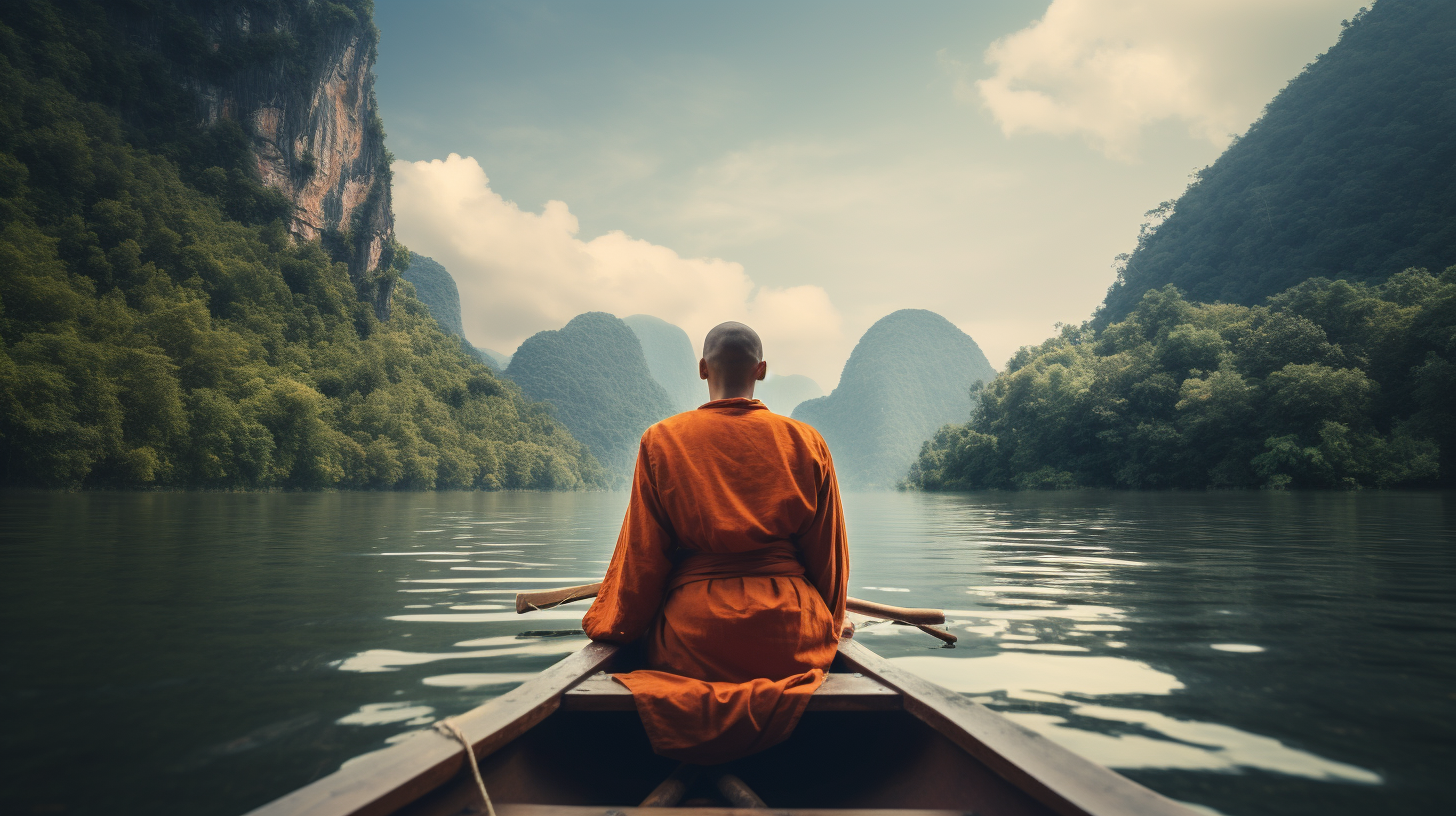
x=547, y=598
x=919, y=617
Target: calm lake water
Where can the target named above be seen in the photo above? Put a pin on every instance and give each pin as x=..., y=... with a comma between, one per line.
x=1252, y=653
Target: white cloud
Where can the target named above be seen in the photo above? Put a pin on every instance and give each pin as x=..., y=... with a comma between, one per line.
x=1108, y=69
x=521, y=272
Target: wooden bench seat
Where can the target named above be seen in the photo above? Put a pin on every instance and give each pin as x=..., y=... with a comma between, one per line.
x=840, y=692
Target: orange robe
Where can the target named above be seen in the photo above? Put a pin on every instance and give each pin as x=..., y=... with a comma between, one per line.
x=731, y=564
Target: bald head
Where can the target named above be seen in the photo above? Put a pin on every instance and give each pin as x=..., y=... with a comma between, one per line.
x=732, y=360
x=732, y=345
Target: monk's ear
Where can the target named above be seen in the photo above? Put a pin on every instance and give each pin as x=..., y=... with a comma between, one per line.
x=703, y=368
x=761, y=370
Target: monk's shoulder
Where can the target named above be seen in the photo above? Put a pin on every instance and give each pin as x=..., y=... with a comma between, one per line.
x=799, y=429
x=678, y=420
x=668, y=427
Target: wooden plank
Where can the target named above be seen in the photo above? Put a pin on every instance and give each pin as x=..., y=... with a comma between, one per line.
x=854, y=692
x=1069, y=783
x=839, y=692
x=580, y=810
x=386, y=780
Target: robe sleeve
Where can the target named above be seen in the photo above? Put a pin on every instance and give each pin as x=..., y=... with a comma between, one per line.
x=824, y=546
x=632, y=592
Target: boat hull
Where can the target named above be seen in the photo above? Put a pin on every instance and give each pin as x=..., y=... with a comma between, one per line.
x=875, y=738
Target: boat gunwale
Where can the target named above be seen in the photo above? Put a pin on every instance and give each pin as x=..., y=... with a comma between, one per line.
x=382, y=782
x=1058, y=777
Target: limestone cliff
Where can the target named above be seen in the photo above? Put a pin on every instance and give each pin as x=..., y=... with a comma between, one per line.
x=297, y=77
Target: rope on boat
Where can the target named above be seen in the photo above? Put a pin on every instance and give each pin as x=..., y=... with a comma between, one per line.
x=449, y=729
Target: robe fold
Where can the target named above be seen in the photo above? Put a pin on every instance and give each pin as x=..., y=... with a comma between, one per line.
x=732, y=566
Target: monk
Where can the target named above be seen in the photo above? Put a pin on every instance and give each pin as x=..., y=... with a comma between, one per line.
x=731, y=565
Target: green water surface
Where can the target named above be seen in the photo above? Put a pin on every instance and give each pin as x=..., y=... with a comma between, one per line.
x=1251, y=653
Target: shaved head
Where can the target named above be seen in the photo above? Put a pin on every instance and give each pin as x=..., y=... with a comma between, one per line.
x=732, y=345
x=732, y=360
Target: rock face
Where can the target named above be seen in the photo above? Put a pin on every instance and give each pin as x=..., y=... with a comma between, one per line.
x=782, y=393
x=909, y=374
x=304, y=94
x=671, y=360
x=1349, y=174
x=594, y=375
x=436, y=289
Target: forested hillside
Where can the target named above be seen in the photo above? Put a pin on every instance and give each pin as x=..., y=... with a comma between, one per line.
x=909, y=374
x=1349, y=174
x=1277, y=329
x=1329, y=384
x=435, y=288
x=167, y=320
x=594, y=375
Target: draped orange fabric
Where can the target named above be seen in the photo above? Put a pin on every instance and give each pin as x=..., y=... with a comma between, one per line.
x=732, y=565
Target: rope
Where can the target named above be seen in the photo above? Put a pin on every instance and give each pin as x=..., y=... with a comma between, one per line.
x=449, y=729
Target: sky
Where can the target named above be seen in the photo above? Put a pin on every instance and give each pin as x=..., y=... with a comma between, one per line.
x=810, y=167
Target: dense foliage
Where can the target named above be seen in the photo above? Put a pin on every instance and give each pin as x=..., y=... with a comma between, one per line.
x=1350, y=173
x=1329, y=384
x=908, y=375
x=595, y=376
x=158, y=326
x=671, y=360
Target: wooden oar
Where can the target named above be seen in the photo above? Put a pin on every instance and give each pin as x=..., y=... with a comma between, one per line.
x=920, y=618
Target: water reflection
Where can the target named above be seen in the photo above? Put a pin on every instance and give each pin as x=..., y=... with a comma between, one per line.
x=1255, y=654
x=1042, y=642
x=1171, y=635
x=389, y=714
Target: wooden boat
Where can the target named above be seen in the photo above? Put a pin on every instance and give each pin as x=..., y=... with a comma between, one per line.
x=875, y=741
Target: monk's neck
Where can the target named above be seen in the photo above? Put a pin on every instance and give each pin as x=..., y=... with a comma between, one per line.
x=719, y=392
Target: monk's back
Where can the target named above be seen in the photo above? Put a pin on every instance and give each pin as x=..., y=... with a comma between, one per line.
x=731, y=568
x=734, y=476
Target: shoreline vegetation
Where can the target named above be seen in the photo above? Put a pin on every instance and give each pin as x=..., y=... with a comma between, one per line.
x=1330, y=384
x=161, y=329
x=1285, y=323
x=158, y=325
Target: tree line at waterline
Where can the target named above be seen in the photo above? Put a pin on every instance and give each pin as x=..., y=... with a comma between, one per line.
x=1263, y=333
x=1329, y=384
x=158, y=325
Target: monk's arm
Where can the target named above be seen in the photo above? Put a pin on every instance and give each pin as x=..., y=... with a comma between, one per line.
x=824, y=546
x=632, y=590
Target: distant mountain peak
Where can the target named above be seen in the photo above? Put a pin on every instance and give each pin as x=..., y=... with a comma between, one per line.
x=670, y=357
x=910, y=374
x=435, y=287
x=593, y=373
